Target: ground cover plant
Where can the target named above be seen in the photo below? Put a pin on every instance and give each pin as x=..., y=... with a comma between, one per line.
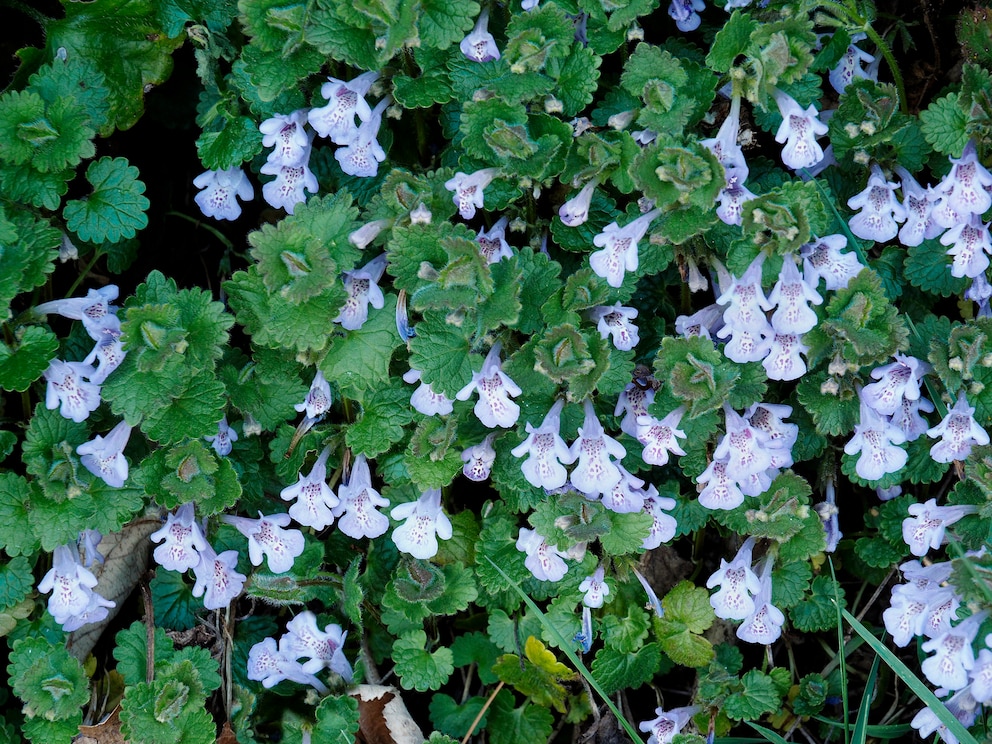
x=581, y=369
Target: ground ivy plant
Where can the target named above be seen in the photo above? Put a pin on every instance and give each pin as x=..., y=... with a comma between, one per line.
x=573, y=367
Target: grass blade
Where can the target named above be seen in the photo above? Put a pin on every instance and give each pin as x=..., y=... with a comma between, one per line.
x=913, y=682
x=770, y=735
x=861, y=725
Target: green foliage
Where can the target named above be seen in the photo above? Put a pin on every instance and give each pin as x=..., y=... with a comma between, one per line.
x=116, y=207
x=538, y=674
x=417, y=668
x=51, y=683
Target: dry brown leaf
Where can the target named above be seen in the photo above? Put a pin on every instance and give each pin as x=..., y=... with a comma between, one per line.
x=383, y=717
x=107, y=732
x=227, y=735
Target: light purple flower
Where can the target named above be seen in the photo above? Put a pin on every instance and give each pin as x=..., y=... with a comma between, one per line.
x=790, y=296
x=220, y=191
x=767, y=420
x=880, y=210
x=89, y=540
x=479, y=460
x=737, y=582
x=958, y=432
x=575, y=211
x=73, y=602
x=594, y=588
x=362, y=153
x=492, y=244
x=875, y=437
x=720, y=491
x=965, y=187
x=223, y=441
x=784, y=360
x=318, y=400
x=704, y=323
x=725, y=146
x=322, y=648
x=97, y=609
x=616, y=322
x=546, y=451
x=425, y=523
x=798, y=131
x=108, y=353
x=744, y=317
x=345, y=100
x=685, y=13
x=909, y=420
x=667, y=724
x=626, y=496
x=970, y=247
x=741, y=447
x=544, y=561
x=104, y=457
x=896, y=381
x=664, y=526
x=288, y=187
x=75, y=398
x=468, y=190
x=94, y=310
x=217, y=578
x=918, y=204
x=849, y=67
x=286, y=134
x=270, y=666
x=368, y=232
x=267, y=537
x=362, y=287
x=633, y=401
x=953, y=654
x=962, y=706
x=182, y=540
x=358, y=508
x=424, y=400
x=764, y=625
x=619, y=248
x=827, y=511
x=731, y=200
x=314, y=498
x=595, y=473
x=494, y=407
x=479, y=45
x=823, y=258
x=981, y=674
x=924, y=527
x=660, y=437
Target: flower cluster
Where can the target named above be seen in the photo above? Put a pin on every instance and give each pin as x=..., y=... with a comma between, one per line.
x=743, y=595
x=271, y=662
x=73, y=603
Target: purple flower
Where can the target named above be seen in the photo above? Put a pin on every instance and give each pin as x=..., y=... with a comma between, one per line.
x=732, y=198
x=880, y=210
x=322, y=648
x=849, y=67
x=358, y=508
x=595, y=473
x=270, y=666
x=425, y=523
x=875, y=437
x=823, y=258
x=626, y=496
x=544, y=561
x=494, y=407
x=368, y=232
x=970, y=245
x=217, y=578
x=267, y=537
x=362, y=287
x=790, y=296
x=73, y=602
x=660, y=437
x=962, y=706
x=616, y=322
x=685, y=13
x=667, y=724
x=287, y=190
x=479, y=45
x=108, y=353
x=744, y=317
x=725, y=146
x=958, y=431
x=798, y=131
x=424, y=400
x=546, y=451
x=223, y=440
x=575, y=211
x=345, y=100
x=981, y=674
x=633, y=401
x=594, y=588
x=314, y=498
x=318, y=400
x=479, y=460
x=182, y=540
x=492, y=244
x=720, y=491
x=896, y=381
x=964, y=188
x=742, y=448
x=468, y=190
x=764, y=625
x=953, y=654
x=75, y=398
x=619, y=248
x=220, y=191
x=664, y=526
x=104, y=457
x=924, y=527
x=94, y=310
x=784, y=360
x=918, y=205
x=362, y=153
x=737, y=582
x=286, y=134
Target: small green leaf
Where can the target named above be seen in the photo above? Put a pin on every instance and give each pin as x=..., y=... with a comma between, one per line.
x=417, y=668
x=617, y=670
x=359, y=360
x=945, y=125
x=337, y=718
x=25, y=363
x=116, y=207
x=538, y=675
x=509, y=724
x=819, y=610
x=756, y=697
x=51, y=683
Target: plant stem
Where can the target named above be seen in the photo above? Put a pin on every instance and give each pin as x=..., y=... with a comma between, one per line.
x=85, y=272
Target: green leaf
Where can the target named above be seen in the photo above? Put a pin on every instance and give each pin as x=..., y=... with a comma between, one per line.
x=695, y=374
x=22, y=365
x=789, y=583
x=51, y=683
x=175, y=605
x=535, y=37
x=509, y=724
x=834, y=413
x=626, y=533
x=927, y=266
x=441, y=352
x=538, y=675
x=359, y=360
x=28, y=248
x=689, y=604
x=945, y=125
x=445, y=22
x=78, y=78
x=432, y=86
x=24, y=183
x=577, y=79
x=237, y=141
x=116, y=207
x=731, y=41
x=337, y=718
x=385, y=413
x=625, y=634
x=756, y=697
x=618, y=670
x=21, y=112
x=125, y=43
x=819, y=610
x=478, y=649
x=417, y=668
x=16, y=533
x=193, y=412
x=16, y=581
x=455, y=719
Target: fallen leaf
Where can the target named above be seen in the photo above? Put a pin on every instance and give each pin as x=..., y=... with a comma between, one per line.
x=383, y=717
x=106, y=732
